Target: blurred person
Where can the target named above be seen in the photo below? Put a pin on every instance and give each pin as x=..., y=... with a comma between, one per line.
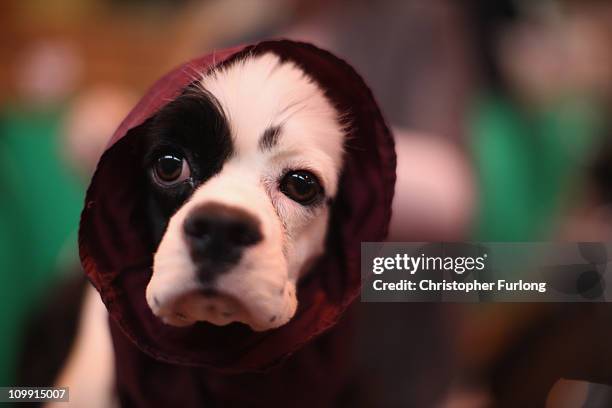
x=536, y=126
x=49, y=144
x=41, y=196
x=89, y=119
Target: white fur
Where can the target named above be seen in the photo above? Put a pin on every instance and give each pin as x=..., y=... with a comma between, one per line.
x=256, y=93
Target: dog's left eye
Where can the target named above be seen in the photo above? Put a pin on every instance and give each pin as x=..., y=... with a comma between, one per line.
x=301, y=186
x=170, y=169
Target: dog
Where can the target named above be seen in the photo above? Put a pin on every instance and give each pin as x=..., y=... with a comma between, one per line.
x=240, y=171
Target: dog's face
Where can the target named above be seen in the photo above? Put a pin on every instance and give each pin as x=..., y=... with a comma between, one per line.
x=242, y=169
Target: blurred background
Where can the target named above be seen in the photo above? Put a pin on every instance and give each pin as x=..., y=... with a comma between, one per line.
x=501, y=111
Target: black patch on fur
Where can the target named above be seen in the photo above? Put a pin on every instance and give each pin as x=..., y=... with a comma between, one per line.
x=194, y=126
x=269, y=139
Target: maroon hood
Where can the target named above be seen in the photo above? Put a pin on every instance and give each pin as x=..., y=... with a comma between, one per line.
x=117, y=255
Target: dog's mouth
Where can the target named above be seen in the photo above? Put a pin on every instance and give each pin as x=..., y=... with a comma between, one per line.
x=204, y=304
x=260, y=310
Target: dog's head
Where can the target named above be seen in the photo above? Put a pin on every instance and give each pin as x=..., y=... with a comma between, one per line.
x=219, y=190
x=241, y=169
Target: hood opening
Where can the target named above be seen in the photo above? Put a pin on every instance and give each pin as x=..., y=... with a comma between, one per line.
x=117, y=252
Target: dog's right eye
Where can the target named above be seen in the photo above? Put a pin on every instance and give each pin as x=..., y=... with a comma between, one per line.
x=301, y=186
x=170, y=169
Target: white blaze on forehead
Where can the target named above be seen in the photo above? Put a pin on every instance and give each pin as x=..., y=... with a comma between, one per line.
x=259, y=92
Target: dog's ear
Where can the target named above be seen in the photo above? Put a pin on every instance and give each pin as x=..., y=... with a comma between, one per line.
x=134, y=167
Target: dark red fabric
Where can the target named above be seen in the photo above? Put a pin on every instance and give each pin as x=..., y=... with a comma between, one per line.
x=320, y=374
x=117, y=255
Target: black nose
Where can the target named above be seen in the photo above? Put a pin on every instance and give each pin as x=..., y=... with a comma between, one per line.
x=217, y=235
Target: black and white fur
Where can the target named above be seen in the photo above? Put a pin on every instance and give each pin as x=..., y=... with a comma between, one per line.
x=233, y=239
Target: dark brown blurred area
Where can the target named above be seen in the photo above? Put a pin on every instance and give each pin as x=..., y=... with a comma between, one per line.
x=125, y=43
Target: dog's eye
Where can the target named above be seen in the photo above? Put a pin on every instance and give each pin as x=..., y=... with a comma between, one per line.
x=301, y=186
x=170, y=169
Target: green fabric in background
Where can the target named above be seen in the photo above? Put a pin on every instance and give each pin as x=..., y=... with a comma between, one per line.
x=40, y=204
x=528, y=165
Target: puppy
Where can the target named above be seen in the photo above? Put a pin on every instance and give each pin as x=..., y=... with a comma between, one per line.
x=240, y=170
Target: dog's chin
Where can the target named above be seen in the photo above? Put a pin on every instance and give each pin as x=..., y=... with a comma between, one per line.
x=233, y=299
x=198, y=306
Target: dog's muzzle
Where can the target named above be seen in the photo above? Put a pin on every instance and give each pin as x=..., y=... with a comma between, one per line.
x=222, y=261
